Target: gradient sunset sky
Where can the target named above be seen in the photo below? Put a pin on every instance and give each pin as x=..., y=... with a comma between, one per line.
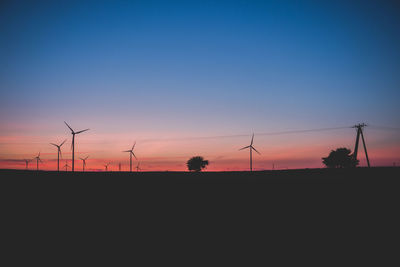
x=163, y=73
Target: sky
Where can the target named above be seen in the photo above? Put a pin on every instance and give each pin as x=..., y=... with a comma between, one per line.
x=167, y=73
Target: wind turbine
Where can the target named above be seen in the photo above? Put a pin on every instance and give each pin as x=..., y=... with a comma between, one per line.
x=26, y=163
x=58, y=153
x=66, y=166
x=137, y=167
x=37, y=161
x=73, y=143
x=251, y=148
x=130, y=156
x=106, y=165
x=84, y=163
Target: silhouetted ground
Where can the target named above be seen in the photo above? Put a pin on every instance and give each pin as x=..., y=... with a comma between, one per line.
x=315, y=211
x=295, y=175
x=165, y=184
x=282, y=188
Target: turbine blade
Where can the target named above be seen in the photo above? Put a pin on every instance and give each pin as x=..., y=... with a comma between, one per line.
x=252, y=138
x=244, y=147
x=133, y=145
x=53, y=144
x=69, y=126
x=255, y=150
x=127, y=151
x=82, y=131
x=134, y=155
x=86, y=158
x=62, y=142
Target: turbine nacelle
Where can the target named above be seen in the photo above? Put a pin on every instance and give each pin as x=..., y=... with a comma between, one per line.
x=137, y=167
x=84, y=159
x=59, y=147
x=73, y=132
x=38, y=157
x=131, y=150
x=251, y=146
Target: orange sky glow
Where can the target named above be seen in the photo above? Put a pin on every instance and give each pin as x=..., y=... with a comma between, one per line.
x=170, y=152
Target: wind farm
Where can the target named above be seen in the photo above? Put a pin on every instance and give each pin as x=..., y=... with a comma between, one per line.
x=172, y=92
x=260, y=163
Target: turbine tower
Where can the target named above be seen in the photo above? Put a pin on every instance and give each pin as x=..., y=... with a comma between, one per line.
x=66, y=166
x=130, y=156
x=37, y=161
x=73, y=143
x=251, y=148
x=360, y=128
x=106, y=166
x=84, y=163
x=26, y=163
x=58, y=153
x=137, y=167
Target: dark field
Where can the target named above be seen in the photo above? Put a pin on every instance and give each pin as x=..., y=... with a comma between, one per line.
x=285, y=176
x=301, y=176
x=287, y=185
x=292, y=210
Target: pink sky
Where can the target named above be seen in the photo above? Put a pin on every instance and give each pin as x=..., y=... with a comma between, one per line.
x=162, y=151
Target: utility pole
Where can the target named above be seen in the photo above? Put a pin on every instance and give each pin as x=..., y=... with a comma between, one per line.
x=360, y=128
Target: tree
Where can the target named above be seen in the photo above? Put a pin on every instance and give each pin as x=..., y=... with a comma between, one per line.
x=196, y=164
x=340, y=158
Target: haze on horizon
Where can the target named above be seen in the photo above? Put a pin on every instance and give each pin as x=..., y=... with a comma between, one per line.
x=159, y=71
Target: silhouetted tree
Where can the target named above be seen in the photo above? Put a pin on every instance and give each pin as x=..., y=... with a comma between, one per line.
x=340, y=158
x=196, y=164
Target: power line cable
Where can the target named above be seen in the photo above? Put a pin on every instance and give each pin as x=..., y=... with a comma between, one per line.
x=305, y=131
x=377, y=127
x=220, y=136
x=245, y=135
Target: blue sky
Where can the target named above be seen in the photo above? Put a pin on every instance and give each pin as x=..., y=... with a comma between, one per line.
x=198, y=67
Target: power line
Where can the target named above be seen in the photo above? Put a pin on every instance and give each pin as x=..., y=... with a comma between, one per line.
x=244, y=135
x=234, y=135
x=218, y=136
x=377, y=127
x=305, y=131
